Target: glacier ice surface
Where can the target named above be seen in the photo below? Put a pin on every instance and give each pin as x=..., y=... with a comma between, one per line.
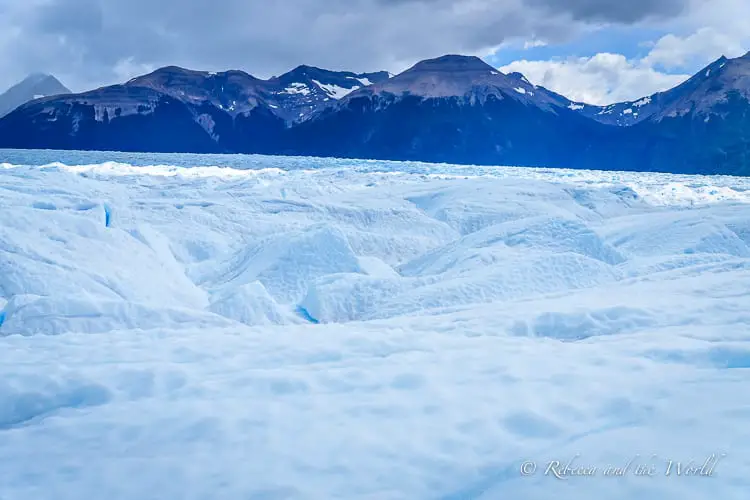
x=194, y=327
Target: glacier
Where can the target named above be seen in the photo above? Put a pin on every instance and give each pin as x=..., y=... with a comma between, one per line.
x=191, y=327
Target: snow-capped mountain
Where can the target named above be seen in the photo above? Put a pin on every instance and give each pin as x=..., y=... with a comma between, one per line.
x=700, y=94
x=305, y=90
x=34, y=86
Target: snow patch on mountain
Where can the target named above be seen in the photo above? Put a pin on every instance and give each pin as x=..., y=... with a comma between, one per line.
x=335, y=91
x=296, y=88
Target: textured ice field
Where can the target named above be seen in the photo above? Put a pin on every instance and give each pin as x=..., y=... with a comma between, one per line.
x=371, y=330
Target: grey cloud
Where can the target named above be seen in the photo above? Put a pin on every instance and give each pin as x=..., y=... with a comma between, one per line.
x=69, y=16
x=619, y=11
x=88, y=42
x=623, y=11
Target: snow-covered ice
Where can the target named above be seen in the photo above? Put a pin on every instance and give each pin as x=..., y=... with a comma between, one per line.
x=323, y=329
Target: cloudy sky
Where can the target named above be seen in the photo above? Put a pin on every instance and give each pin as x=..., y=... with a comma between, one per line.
x=598, y=51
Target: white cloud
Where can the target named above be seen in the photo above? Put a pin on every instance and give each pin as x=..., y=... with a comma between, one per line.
x=127, y=68
x=83, y=41
x=699, y=48
x=730, y=17
x=601, y=79
x=530, y=44
x=706, y=31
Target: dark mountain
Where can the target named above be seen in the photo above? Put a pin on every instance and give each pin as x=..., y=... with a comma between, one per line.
x=293, y=96
x=458, y=109
x=32, y=87
x=700, y=126
x=233, y=91
x=450, y=109
x=234, y=109
x=455, y=76
x=113, y=118
x=179, y=110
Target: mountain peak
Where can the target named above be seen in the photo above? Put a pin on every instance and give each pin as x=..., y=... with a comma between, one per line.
x=305, y=68
x=317, y=73
x=306, y=73
x=463, y=77
x=302, y=69
x=452, y=63
x=170, y=70
x=170, y=77
x=32, y=87
x=36, y=77
x=448, y=75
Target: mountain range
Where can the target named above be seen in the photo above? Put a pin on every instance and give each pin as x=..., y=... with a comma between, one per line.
x=454, y=109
